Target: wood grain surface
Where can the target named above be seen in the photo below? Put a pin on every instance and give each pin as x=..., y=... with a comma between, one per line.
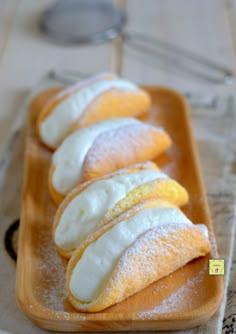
x=184, y=299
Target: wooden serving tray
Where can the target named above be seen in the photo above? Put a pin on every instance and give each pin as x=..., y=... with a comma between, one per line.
x=184, y=299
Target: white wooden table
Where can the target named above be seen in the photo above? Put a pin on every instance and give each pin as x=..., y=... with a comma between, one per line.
x=25, y=54
x=205, y=27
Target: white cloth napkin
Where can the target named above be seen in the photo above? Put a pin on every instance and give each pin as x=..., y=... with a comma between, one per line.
x=215, y=139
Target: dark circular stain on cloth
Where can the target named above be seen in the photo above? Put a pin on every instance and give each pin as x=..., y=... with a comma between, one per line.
x=9, y=239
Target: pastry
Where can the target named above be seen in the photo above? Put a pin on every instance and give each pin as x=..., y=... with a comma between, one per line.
x=142, y=245
x=98, y=98
x=102, y=148
x=40, y=99
x=97, y=202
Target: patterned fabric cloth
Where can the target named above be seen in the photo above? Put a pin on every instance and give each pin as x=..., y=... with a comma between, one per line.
x=215, y=139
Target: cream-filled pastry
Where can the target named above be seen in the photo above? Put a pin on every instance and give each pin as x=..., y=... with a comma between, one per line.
x=136, y=249
x=102, y=148
x=95, y=99
x=99, y=201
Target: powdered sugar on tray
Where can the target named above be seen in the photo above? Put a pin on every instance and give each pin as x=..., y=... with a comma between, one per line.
x=51, y=290
x=50, y=273
x=175, y=302
x=124, y=141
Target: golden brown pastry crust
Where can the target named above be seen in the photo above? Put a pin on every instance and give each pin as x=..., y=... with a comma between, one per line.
x=59, y=198
x=55, y=95
x=113, y=103
x=76, y=191
x=167, y=190
x=152, y=256
x=56, y=196
x=41, y=99
x=163, y=189
x=117, y=149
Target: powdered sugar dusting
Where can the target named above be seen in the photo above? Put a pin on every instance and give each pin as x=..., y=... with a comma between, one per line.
x=51, y=289
x=179, y=299
x=149, y=257
x=148, y=242
x=50, y=274
x=96, y=262
x=129, y=142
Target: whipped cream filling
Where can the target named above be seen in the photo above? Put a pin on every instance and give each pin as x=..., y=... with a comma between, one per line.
x=85, y=211
x=54, y=128
x=68, y=159
x=85, y=82
x=203, y=229
x=99, y=259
